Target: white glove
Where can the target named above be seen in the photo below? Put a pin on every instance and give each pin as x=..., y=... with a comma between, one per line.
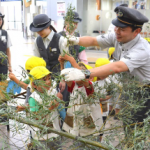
x=74, y=40
x=64, y=46
x=73, y=74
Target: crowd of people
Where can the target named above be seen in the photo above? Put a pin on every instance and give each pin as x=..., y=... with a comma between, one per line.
x=56, y=77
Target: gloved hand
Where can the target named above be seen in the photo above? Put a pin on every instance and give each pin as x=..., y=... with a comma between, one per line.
x=73, y=74
x=74, y=40
x=64, y=47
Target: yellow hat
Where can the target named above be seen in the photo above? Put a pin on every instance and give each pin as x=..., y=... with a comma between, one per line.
x=101, y=61
x=148, y=39
x=38, y=73
x=34, y=62
x=88, y=67
x=110, y=52
x=85, y=65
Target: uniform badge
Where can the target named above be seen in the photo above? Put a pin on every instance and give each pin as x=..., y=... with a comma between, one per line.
x=120, y=14
x=54, y=50
x=50, y=49
x=3, y=38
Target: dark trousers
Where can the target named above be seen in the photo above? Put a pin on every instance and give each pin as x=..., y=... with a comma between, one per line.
x=3, y=72
x=27, y=95
x=104, y=121
x=66, y=96
x=143, y=112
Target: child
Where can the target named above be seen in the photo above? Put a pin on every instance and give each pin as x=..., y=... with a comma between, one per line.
x=84, y=115
x=114, y=102
x=30, y=64
x=99, y=88
x=43, y=105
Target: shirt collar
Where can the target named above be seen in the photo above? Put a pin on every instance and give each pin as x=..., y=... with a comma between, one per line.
x=50, y=36
x=131, y=43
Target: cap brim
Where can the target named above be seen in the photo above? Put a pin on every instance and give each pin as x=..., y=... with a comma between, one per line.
x=75, y=20
x=117, y=23
x=2, y=16
x=37, y=29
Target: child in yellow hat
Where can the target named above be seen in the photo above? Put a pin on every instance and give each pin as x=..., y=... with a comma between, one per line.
x=84, y=116
x=30, y=64
x=43, y=102
x=99, y=87
x=110, y=52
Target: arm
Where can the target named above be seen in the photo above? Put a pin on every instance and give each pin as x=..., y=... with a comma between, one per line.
x=71, y=60
x=53, y=105
x=8, y=53
x=88, y=41
x=109, y=69
x=88, y=87
x=61, y=62
x=20, y=83
x=62, y=84
x=9, y=59
x=60, y=96
x=36, y=50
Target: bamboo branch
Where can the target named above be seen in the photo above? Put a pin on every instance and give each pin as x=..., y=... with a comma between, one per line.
x=68, y=135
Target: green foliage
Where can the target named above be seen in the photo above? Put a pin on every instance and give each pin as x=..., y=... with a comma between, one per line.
x=125, y=132
x=136, y=137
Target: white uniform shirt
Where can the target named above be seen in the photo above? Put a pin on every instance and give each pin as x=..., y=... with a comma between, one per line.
x=135, y=54
x=53, y=116
x=46, y=42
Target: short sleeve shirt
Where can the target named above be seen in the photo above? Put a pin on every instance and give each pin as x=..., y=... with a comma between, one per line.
x=8, y=41
x=135, y=54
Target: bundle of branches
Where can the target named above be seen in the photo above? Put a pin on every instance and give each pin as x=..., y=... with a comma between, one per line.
x=137, y=138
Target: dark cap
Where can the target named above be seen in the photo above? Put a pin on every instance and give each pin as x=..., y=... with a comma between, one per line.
x=2, y=15
x=128, y=17
x=125, y=5
x=76, y=17
x=40, y=22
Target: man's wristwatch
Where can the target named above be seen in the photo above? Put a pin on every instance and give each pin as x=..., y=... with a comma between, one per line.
x=87, y=73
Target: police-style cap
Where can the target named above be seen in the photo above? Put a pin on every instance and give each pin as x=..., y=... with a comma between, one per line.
x=2, y=15
x=76, y=17
x=40, y=22
x=128, y=17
